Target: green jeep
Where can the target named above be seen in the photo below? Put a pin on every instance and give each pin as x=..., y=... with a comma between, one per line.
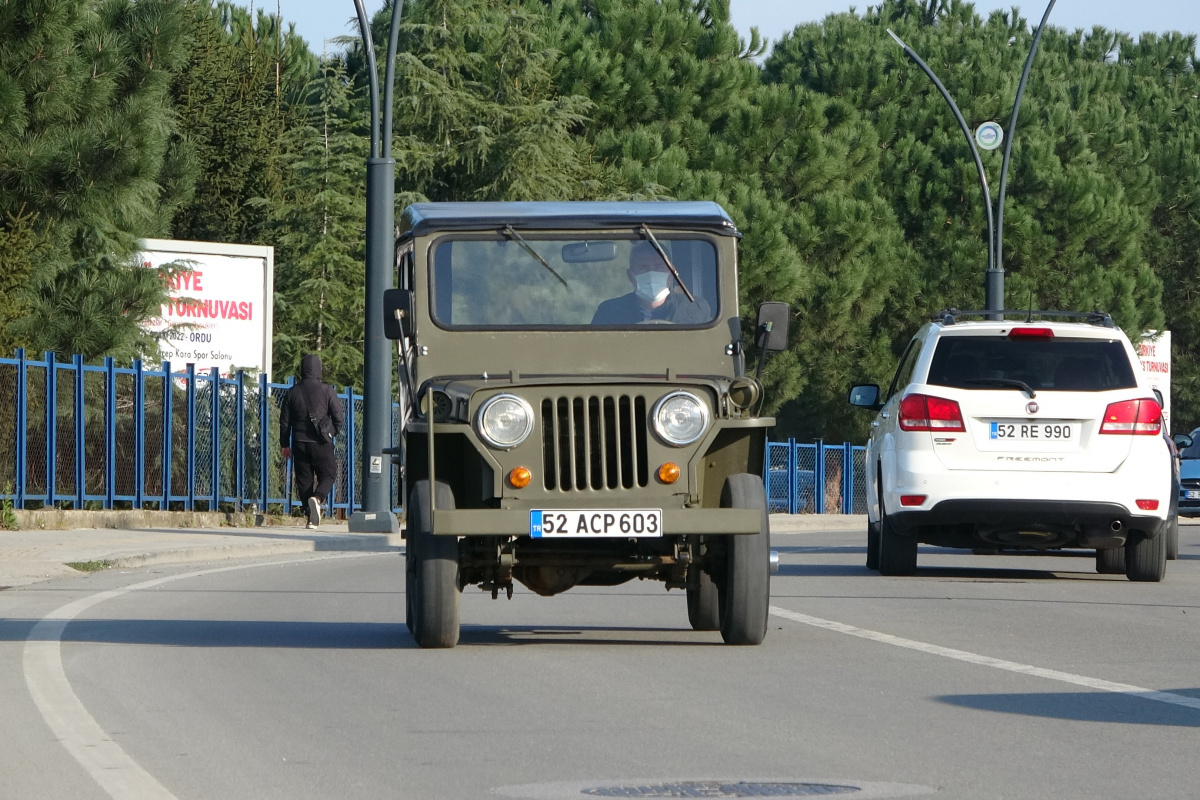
x=575, y=407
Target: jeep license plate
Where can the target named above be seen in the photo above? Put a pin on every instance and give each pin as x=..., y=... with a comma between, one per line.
x=1035, y=431
x=583, y=523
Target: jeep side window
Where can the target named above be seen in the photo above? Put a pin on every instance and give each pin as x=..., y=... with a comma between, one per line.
x=904, y=372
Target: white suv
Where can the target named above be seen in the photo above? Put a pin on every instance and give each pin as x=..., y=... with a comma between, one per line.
x=1023, y=435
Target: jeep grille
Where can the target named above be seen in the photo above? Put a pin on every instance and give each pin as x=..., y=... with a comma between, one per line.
x=591, y=442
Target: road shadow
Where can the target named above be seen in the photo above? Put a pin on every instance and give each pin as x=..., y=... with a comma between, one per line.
x=515, y=635
x=224, y=633
x=956, y=573
x=342, y=635
x=1085, y=707
x=818, y=549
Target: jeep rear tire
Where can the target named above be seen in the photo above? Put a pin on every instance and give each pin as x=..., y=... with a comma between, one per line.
x=897, y=552
x=704, y=603
x=1146, y=559
x=745, y=590
x=436, y=595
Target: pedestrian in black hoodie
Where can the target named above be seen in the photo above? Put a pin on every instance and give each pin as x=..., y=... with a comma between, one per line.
x=311, y=417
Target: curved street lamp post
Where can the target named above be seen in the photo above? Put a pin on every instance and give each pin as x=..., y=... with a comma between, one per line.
x=994, y=277
x=376, y=515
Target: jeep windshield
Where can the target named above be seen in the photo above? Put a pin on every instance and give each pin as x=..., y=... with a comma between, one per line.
x=1060, y=364
x=521, y=280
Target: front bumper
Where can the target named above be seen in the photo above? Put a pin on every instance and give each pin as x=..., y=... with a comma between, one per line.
x=676, y=521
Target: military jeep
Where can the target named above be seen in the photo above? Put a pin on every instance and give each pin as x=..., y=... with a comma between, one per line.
x=570, y=416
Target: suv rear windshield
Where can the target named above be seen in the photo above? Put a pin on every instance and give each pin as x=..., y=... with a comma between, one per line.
x=1074, y=365
x=592, y=282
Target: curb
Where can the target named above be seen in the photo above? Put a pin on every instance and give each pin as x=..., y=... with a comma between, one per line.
x=388, y=544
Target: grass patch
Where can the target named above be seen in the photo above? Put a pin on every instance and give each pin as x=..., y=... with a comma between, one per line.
x=8, y=517
x=90, y=566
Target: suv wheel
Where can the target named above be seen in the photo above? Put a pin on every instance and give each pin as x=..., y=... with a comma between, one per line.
x=872, y=545
x=1173, y=538
x=897, y=553
x=1110, y=562
x=435, y=593
x=1146, y=559
x=873, y=532
x=745, y=592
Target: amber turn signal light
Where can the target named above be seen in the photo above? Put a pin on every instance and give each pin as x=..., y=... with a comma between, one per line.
x=520, y=477
x=668, y=472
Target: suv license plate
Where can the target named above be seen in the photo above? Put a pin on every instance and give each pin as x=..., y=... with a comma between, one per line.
x=595, y=522
x=1035, y=431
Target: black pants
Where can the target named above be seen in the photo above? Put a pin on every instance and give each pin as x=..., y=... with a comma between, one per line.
x=309, y=458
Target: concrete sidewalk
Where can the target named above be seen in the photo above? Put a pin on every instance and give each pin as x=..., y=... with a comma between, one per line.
x=29, y=556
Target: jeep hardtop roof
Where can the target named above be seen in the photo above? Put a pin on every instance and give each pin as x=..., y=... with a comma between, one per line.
x=423, y=218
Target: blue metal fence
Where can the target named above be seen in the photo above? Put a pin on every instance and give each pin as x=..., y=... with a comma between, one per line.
x=815, y=478
x=106, y=436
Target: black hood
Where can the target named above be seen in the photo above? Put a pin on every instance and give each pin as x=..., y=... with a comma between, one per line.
x=310, y=367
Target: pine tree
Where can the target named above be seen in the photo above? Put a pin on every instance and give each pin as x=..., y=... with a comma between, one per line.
x=477, y=115
x=1080, y=195
x=236, y=101
x=86, y=155
x=318, y=230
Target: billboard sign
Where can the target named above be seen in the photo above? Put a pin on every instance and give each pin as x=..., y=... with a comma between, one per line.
x=1154, y=351
x=221, y=312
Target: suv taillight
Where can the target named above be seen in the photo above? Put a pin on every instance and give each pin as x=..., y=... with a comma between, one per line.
x=920, y=412
x=1133, y=418
x=1031, y=333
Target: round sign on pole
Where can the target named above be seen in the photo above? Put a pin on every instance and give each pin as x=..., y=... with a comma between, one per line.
x=989, y=135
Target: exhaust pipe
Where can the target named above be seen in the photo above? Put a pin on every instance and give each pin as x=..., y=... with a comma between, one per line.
x=774, y=561
x=1115, y=526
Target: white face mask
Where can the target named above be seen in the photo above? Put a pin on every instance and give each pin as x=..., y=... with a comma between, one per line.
x=652, y=286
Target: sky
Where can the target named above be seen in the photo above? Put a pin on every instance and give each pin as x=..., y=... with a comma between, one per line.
x=319, y=19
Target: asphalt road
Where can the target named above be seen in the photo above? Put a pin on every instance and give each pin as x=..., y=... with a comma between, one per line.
x=981, y=677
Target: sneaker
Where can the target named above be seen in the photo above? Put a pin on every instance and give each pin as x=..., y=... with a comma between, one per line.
x=314, y=512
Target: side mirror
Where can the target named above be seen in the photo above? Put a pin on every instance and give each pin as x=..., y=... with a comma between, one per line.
x=865, y=395
x=397, y=313
x=772, y=328
x=1182, y=440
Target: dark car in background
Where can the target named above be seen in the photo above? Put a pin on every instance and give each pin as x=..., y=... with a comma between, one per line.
x=1189, y=474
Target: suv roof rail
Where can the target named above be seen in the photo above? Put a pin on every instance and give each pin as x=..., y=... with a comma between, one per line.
x=948, y=316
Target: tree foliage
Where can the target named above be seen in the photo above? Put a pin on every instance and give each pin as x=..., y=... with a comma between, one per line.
x=318, y=231
x=87, y=156
x=838, y=160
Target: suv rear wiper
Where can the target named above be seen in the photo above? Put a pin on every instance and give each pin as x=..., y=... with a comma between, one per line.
x=666, y=259
x=508, y=230
x=1009, y=382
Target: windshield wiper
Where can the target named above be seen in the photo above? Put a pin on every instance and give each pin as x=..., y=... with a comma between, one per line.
x=667, y=260
x=1005, y=382
x=508, y=229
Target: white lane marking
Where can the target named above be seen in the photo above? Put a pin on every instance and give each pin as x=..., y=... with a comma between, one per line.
x=988, y=661
x=102, y=758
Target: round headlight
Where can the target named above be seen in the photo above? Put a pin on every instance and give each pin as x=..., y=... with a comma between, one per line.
x=680, y=418
x=504, y=421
